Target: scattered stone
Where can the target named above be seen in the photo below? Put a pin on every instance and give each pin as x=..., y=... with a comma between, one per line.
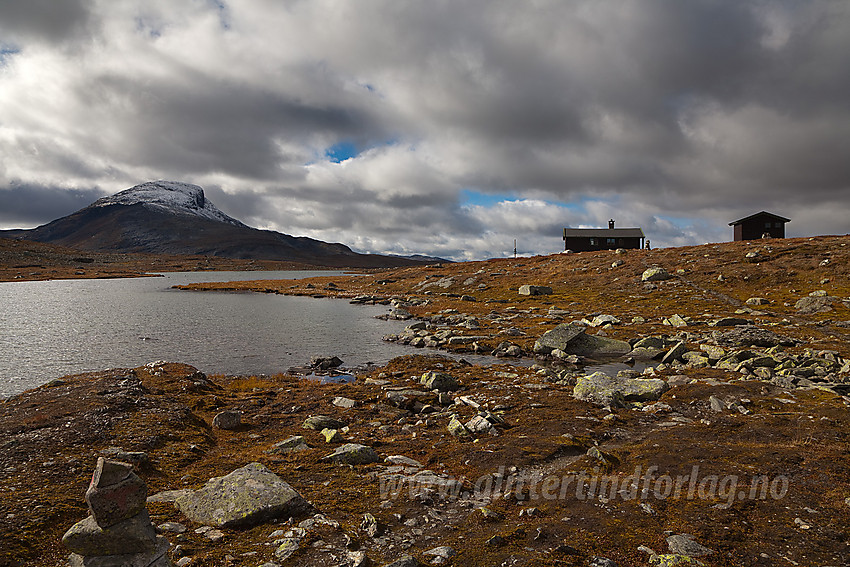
x=171, y=527
x=601, y=562
x=371, y=526
x=332, y=435
x=813, y=304
x=753, y=336
x=289, y=445
x=676, y=321
x=457, y=428
x=319, y=422
x=353, y=454
x=730, y=322
x=346, y=403
x=439, y=381
x=655, y=274
x=685, y=544
x=757, y=301
x=406, y=561
x=716, y=404
x=673, y=560
x=246, y=497
x=441, y=554
x=675, y=353
x=228, y=420
x=402, y=460
x=325, y=362
x=535, y=290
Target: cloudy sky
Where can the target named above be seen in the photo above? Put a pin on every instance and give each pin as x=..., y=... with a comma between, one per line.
x=443, y=127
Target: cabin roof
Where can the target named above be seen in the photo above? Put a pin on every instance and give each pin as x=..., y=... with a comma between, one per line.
x=760, y=214
x=603, y=232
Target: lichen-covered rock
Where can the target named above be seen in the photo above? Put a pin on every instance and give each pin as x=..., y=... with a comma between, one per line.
x=115, y=493
x=655, y=274
x=601, y=389
x=439, y=381
x=674, y=560
x=353, y=454
x=246, y=497
x=457, y=428
x=133, y=535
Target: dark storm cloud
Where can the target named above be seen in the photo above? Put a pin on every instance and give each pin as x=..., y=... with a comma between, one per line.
x=43, y=20
x=675, y=116
x=27, y=206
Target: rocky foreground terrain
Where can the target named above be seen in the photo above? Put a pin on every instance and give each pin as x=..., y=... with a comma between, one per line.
x=683, y=406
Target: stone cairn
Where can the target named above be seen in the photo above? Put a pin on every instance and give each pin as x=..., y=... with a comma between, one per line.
x=118, y=532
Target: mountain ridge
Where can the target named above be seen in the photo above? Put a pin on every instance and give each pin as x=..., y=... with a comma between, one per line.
x=170, y=217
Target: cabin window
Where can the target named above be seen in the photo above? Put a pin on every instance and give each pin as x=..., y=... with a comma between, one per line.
x=594, y=242
x=611, y=241
x=767, y=225
x=778, y=225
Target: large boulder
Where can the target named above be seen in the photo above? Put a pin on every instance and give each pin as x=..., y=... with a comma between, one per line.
x=557, y=338
x=572, y=339
x=246, y=497
x=601, y=389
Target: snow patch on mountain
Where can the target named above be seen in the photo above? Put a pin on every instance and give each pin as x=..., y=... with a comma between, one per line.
x=173, y=196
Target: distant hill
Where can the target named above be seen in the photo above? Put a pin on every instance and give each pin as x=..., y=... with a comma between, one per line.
x=168, y=217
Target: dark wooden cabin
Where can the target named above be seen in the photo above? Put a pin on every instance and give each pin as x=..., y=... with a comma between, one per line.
x=759, y=225
x=589, y=239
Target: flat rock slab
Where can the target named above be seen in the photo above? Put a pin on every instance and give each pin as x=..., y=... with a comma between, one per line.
x=134, y=535
x=753, y=336
x=599, y=388
x=354, y=454
x=155, y=558
x=246, y=497
x=319, y=422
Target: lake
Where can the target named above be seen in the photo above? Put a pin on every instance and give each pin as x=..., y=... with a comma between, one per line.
x=53, y=328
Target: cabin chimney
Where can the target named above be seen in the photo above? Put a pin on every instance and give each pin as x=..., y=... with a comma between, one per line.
x=611, y=224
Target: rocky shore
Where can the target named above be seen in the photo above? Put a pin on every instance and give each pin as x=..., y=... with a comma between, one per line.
x=685, y=406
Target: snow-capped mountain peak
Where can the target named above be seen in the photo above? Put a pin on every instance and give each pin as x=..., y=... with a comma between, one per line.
x=177, y=197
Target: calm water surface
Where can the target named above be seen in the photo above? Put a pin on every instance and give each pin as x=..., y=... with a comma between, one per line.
x=53, y=328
